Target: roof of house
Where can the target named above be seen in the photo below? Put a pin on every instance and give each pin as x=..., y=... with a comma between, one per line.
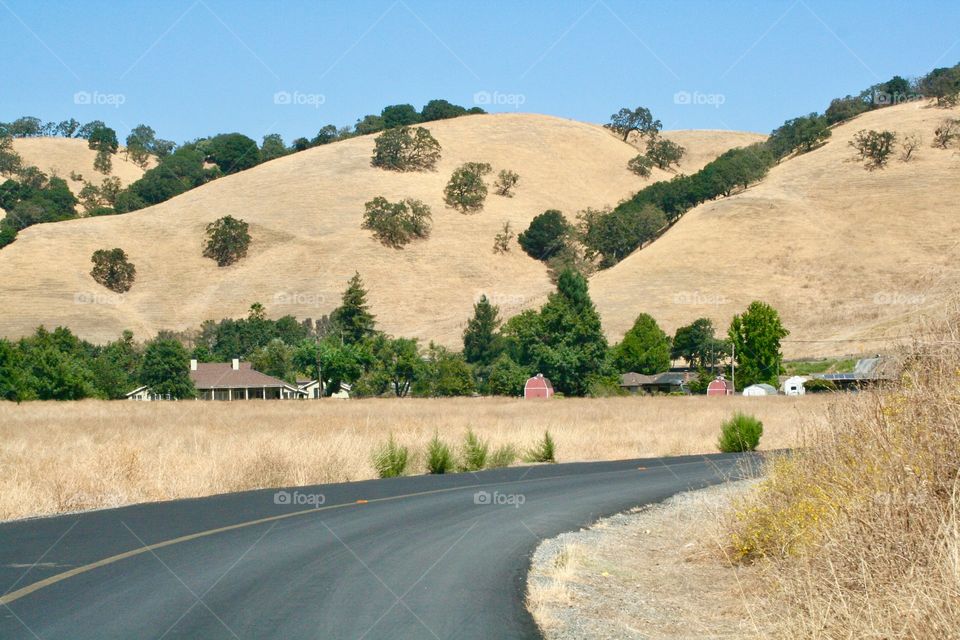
x=769, y=389
x=222, y=375
x=539, y=378
x=635, y=379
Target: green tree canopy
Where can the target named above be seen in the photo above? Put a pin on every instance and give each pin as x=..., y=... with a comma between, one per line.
x=645, y=348
x=698, y=345
x=113, y=269
x=166, y=369
x=755, y=335
x=481, y=343
x=227, y=240
x=546, y=236
x=232, y=152
x=640, y=119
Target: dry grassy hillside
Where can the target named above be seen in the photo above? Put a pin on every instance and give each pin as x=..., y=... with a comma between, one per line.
x=62, y=156
x=305, y=212
x=842, y=252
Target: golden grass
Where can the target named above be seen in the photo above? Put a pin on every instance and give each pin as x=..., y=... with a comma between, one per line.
x=63, y=156
x=63, y=456
x=305, y=212
x=858, y=533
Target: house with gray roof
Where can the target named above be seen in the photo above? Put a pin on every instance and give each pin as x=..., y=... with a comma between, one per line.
x=233, y=380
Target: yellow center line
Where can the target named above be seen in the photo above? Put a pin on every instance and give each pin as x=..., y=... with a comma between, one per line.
x=13, y=596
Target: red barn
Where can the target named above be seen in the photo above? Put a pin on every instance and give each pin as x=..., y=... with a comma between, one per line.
x=538, y=387
x=720, y=387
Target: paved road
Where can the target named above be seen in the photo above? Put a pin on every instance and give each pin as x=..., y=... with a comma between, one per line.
x=417, y=557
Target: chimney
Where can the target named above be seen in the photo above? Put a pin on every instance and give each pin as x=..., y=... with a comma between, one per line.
x=193, y=365
x=235, y=365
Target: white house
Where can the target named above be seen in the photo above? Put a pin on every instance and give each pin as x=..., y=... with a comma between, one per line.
x=761, y=389
x=793, y=386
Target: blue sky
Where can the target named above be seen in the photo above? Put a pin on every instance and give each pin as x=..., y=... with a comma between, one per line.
x=191, y=68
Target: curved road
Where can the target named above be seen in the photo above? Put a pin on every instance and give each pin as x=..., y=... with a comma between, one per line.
x=415, y=557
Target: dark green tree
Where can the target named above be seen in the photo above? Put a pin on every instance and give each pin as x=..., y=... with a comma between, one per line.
x=399, y=115
x=444, y=374
x=640, y=119
x=440, y=110
x=664, y=153
x=227, y=240
x=698, y=345
x=352, y=320
x=406, y=149
x=506, y=378
x=546, y=236
x=755, y=336
x=481, y=342
x=113, y=269
x=232, y=152
x=397, y=223
x=166, y=369
x=272, y=147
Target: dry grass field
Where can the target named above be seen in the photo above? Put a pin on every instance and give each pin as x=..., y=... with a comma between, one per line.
x=65, y=456
x=305, y=212
x=63, y=156
x=843, y=253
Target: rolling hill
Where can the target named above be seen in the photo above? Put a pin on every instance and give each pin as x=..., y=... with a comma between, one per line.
x=305, y=212
x=63, y=156
x=845, y=254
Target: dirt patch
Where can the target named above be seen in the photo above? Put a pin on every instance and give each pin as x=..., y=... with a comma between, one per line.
x=655, y=572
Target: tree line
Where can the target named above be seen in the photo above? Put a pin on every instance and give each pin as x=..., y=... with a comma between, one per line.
x=563, y=340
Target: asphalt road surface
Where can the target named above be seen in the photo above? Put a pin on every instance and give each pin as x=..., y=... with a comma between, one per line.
x=416, y=557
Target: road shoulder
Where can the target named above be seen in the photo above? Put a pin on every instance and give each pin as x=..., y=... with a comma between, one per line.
x=654, y=572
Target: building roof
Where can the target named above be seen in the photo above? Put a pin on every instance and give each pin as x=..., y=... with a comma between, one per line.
x=635, y=379
x=768, y=389
x=539, y=378
x=222, y=375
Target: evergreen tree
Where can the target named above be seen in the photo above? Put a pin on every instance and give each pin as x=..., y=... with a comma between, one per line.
x=481, y=344
x=352, y=319
x=756, y=336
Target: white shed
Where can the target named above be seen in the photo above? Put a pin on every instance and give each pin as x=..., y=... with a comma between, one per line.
x=793, y=386
x=761, y=389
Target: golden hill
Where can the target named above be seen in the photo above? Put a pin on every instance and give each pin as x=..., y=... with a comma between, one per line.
x=63, y=156
x=844, y=253
x=305, y=212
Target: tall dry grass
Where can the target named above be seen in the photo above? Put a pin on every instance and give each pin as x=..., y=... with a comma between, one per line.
x=66, y=456
x=859, y=533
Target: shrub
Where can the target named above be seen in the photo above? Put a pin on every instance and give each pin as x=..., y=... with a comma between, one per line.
x=390, y=460
x=112, y=269
x=466, y=190
x=641, y=165
x=506, y=181
x=502, y=457
x=439, y=456
x=546, y=236
x=501, y=241
x=545, y=451
x=740, y=433
x=473, y=456
x=816, y=385
x=227, y=240
x=397, y=223
x=909, y=145
x=874, y=147
x=946, y=132
x=406, y=149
